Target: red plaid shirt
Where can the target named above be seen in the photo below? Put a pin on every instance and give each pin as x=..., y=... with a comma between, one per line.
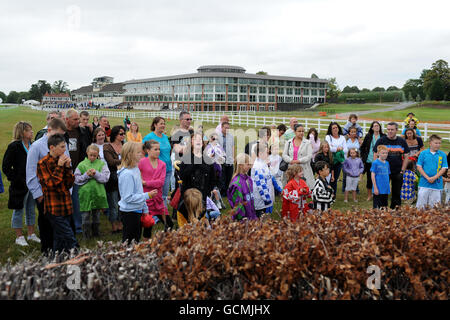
x=56, y=182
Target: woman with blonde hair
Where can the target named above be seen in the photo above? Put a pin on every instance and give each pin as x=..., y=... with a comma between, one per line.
x=133, y=134
x=133, y=198
x=191, y=210
x=14, y=167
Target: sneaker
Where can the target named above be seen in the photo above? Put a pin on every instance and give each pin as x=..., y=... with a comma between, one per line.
x=356, y=200
x=21, y=241
x=34, y=238
x=345, y=201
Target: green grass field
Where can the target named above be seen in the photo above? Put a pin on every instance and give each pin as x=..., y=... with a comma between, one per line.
x=424, y=114
x=8, y=249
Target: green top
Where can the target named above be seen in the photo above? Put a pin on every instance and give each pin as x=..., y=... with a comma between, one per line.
x=92, y=195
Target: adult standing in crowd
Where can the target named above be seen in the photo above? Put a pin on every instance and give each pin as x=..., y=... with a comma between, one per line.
x=37, y=151
x=398, y=151
x=264, y=135
x=338, y=147
x=299, y=150
x=226, y=140
x=50, y=116
x=104, y=124
x=133, y=134
x=79, y=139
x=375, y=132
x=84, y=123
x=181, y=137
x=290, y=133
x=112, y=152
x=157, y=129
x=95, y=123
x=223, y=119
x=20, y=198
x=197, y=169
x=415, y=143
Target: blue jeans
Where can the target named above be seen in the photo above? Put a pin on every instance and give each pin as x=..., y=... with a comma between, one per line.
x=63, y=237
x=337, y=171
x=165, y=190
x=30, y=214
x=113, y=204
x=76, y=208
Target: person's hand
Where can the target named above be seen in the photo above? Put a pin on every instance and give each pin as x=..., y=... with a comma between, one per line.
x=432, y=179
x=144, y=183
x=375, y=191
x=153, y=193
x=332, y=179
x=39, y=200
x=67, y=163
x=62, y=160
x=339, y=149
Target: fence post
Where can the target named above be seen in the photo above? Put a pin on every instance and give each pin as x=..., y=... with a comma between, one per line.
x=318, y=126
x=425, y=137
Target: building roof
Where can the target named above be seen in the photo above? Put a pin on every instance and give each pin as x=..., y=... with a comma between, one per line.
x=221, y=68
x=85, y=89
x=57, y=95
x=113, y=87
x=227, y=75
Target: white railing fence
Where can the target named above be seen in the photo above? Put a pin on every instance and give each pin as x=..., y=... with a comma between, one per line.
x=251, y=119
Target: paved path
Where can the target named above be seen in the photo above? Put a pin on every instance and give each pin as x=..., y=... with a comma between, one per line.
x=400, y=106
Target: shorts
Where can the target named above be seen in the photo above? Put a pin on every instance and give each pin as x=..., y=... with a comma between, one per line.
x=351, y=183
x=428, y=197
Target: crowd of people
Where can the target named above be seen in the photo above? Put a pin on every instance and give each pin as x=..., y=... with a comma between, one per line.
x=74, y=169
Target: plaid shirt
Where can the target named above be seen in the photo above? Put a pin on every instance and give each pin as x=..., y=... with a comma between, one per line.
x=56, y=182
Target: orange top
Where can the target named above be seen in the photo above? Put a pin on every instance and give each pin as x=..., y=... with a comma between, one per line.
x=130, y=137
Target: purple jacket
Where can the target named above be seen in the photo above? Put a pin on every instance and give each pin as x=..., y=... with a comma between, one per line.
x=240, y=191
x=353, y=167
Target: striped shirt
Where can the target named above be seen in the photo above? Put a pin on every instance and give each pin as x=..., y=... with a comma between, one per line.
x=56, y=182
x=322, y=195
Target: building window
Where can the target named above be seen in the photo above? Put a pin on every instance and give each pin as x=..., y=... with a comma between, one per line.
x=306, y=84
x=321, y=92
x=298, y=83
x=271, y=90
x=306, y=92
x=298, y=92
x=280, y=82
x=253, y=90
x=314, y=92
x=232, y=97
x=289, y=83
x=243, y=89
x=289, y=91
x=232, y=88
x=198, y=97
x=314, y=84
x=243, y=98
x=262, y=98
x=220, y=97
x=262, y=90
x=280, y=90
x=220, y=88
x=208, y=88
x=280, y=99
x=208, y=97
x=252, y=98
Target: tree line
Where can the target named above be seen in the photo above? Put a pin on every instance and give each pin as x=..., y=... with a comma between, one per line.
x=36, y=92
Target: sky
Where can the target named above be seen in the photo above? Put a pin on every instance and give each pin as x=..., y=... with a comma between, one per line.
x=362, y=43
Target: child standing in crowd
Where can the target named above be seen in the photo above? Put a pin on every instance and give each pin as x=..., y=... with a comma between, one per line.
x=240, y=193
x=263, y=184
x=409, y=117
x=56, y=178
x=353, y=168
x=191, y=210
x=153, y=173
x=323, y=194
x=325, y=154
x=447, y=186
x=432, y=164
x=408, y=192
x=352, y=122
x=295, y=193
x=91, y=175
x=274, y=164
x=132, y=196
x=380, y=178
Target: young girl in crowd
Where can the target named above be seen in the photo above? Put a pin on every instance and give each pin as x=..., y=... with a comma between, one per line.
x=408, y=191
x=325, y=154
x=263, y=184
x=91, y=175
x=240, y=193
x=274, y=164
x=192, y=210
x=447, y=186
x=99, y=139
x=133, y=134
x=153, y=173
x=353, y=168
x=133, y=198
x=313, y=137
x=295, y=193
x=323, y=194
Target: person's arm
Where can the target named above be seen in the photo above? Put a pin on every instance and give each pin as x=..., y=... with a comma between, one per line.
x=261, y=186
x=103, y=176
x=51, y=179
x=109, y=156
x=374, y=183
x=405, y=156
x=81, y=179
x=158, y=181
x=8, y=163
x=32, y=179
x=127, y=193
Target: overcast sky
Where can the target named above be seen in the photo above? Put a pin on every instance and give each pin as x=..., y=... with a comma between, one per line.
x=363, y=43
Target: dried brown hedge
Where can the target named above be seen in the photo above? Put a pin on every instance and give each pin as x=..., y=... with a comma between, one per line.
x=319, y=257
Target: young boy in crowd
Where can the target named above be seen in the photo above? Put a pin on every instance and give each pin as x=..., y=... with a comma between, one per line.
x=380, y=178
x=352, y=119
x=432, y=164
x=322, y=194
x=56, y=178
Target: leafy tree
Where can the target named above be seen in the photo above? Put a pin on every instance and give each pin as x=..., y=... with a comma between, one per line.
x=38, y=90
x=333, y=90
x=355, y=89
x=349, y=89
x=364, y=90
x=378, y=89
x=418, y=98
x=392, y=88
x=314, y=76
x=436, y=82
x=413, y=87
x=3, y=96
x=13, y=97
x=60, y=86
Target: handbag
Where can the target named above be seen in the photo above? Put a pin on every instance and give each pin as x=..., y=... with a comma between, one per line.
x=147, y=220
x=283, y=165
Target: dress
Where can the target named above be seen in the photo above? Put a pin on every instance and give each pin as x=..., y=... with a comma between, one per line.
x=240, y=197
x=154, y=179
x=408, y=191
x=295, y=195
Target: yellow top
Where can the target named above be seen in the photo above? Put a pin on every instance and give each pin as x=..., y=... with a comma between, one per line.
x=130, y=137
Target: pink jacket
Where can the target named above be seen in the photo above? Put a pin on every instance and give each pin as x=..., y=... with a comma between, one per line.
x=154, y=179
